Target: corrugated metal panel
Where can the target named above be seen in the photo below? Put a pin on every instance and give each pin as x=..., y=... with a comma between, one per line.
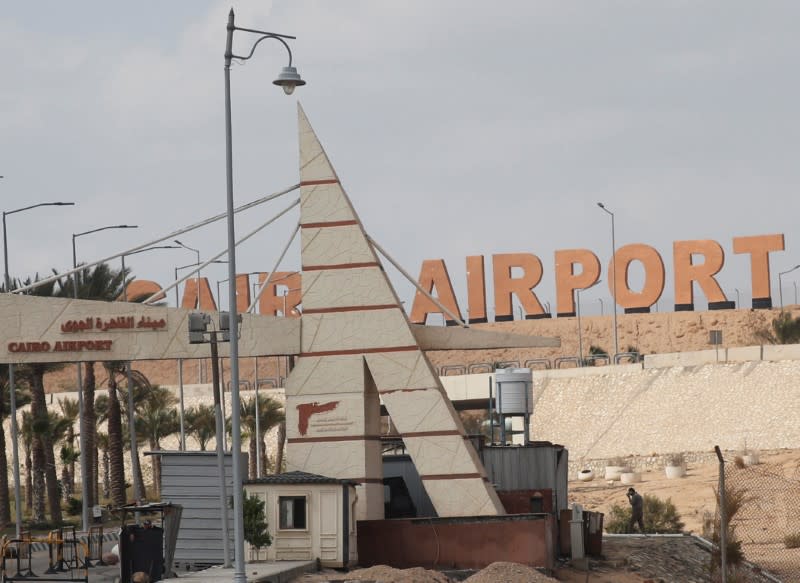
x=528, y=468
x=191, y=480
x=401, y=465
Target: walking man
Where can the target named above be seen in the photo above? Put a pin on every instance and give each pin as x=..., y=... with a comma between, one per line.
x=637, y=510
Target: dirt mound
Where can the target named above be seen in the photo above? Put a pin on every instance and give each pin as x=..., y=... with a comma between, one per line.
x=501, y=572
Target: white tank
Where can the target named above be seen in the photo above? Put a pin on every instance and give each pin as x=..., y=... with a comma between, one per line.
x=514, y=395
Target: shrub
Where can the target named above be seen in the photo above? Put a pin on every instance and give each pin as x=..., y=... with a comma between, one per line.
x=660, y=516
x=738, y=461
x=792, y=541
x=74, y=506
x=255, y=522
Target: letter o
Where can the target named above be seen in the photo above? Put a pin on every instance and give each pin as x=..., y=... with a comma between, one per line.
x=653, y=276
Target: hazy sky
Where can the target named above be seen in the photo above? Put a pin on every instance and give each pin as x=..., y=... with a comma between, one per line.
x=457, y=128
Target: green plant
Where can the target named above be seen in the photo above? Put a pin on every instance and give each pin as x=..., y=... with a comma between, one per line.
x=74, y=506
x=660, y=516
x=735, y=500
x=255, y=522
x=792, y=541
x=785, y=330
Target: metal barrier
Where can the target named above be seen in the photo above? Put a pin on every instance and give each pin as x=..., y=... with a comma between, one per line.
x=455, y=369
x=507, y=364
x=269, y=382
x=95, y=545
x=534, y=363
x=632, y=357
x=62, y=569
x=568, y=359
x=476, y=368
x=593, y=359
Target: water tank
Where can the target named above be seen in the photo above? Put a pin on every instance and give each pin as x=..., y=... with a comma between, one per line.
x=514, y=391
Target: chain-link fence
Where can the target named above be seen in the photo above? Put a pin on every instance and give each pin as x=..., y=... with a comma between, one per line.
x=761, y=505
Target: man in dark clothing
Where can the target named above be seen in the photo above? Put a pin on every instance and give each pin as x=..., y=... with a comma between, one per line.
x=637, y=510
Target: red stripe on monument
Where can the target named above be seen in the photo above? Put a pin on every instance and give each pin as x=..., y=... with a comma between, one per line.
x=451, y=477
x=360, y=351
x=349, y=309
x=323, y=224
x=340, y=266
x=316, y=182
x=334, y=438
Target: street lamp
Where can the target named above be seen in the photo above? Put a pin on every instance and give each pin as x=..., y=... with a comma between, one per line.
x=738, y=304
x=197, y=252
x=613, y=277
x=780, y=284
x=138, y=494
x=11, y=384
x=286, y=293
x=288, y=79
x=578, y=314
x=81, y=424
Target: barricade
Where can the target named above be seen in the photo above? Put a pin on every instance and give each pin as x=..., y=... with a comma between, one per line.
x=56, y=545
x=95, y=545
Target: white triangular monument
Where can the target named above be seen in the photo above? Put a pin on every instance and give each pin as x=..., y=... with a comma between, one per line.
x=358, y=349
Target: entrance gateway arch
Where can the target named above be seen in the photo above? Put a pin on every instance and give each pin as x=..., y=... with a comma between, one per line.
x=356, y=349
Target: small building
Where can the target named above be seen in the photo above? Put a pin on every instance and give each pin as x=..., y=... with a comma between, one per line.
x=308, y=516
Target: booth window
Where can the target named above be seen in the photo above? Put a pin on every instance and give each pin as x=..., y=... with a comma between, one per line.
x=292, y=512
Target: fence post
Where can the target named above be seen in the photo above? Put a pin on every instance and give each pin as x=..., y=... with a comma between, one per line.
x=723, y=524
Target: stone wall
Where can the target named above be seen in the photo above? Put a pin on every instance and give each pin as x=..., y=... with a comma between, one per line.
x=604, y=412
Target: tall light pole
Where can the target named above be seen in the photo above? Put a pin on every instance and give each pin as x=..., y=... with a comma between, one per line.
x=180, y=360
x=11, y=384
x=613, y=277
x=578, y=314
x=197, y=306
x=81, y=424
x=288, y=79
x=780, y=283
x=138, y=494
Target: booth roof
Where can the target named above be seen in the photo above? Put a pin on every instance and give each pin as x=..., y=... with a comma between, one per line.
x=298, y=478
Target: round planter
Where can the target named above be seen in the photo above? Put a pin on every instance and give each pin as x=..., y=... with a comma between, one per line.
x=613, y=473
x=586, y=475
x=750, y=459
x=674, y=472
x=630, y=477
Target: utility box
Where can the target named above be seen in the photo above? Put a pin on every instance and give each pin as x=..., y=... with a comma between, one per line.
x=191, y=479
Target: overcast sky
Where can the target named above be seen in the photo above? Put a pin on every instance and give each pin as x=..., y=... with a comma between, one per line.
x=457, y=128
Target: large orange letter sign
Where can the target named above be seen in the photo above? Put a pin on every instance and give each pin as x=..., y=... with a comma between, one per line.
x=653, y=277
x=687, y=272
x=567, y=281
x=190, y=294
x=270, y=303
x=434, y=275
x=759, y=248
x=476, y=290
x=522, y=287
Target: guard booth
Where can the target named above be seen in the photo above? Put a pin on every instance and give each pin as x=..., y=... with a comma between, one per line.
x=308, y=517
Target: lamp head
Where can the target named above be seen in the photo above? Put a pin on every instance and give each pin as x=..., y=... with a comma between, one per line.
x=601, y=205
x=289, y=78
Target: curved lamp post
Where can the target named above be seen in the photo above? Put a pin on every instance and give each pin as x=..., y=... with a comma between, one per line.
x=288, y=79
x=780, y=284
x=11, y=383
x=81, y=427
x=613, y=278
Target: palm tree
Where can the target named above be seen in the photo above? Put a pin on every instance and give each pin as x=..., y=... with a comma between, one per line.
x=156, y=419
x=201, y=423
x=69, y=455
x=44, y=469
x=141, y=387
x=270, y=415
x=101, y=414
x=115, y=449
x=101, y=283
x=26, y=431
x=102, y=447
x=22, y=398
